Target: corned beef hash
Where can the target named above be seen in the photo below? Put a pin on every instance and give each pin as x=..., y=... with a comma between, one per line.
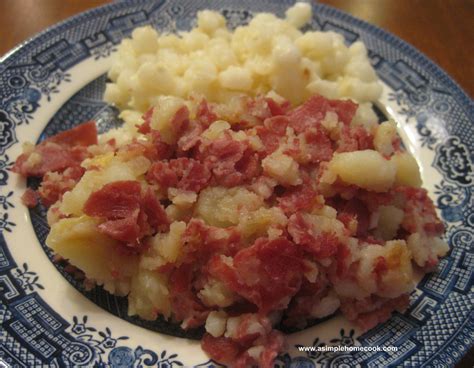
x=250, y=186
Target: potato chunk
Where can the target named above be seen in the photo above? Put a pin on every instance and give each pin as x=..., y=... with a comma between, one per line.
x=366, y=169
x=257, y=223
x=163, y=112
x=384, y=136
x=149, y=295
x=408, y=172
x=282, y=168
x=222, y=207
x=79, y=241
x=389, y=220
x=392, y=262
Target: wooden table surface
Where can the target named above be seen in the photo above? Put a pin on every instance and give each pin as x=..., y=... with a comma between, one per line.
x=442, y=29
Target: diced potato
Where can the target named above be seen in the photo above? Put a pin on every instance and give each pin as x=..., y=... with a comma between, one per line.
x=125, y=79
x=153, y=78
x=182, y=198
x=169, y=245
x=149, y=295
x=221, y=54
x=209, y=21
x=408, y=172
x=256, y=223
x=216, y=323
x=115, y=95
x=322, y=224
x=194, y=40
x=366, y=169
x=122, y=136
x=145, y=40
x=269, y=57
x=312, y=271
x=366, y=117
x=326, y=211
x=299, y=14
x=425, y=249
x=327, y=306
x=282, y=168
x=269, y=53
x=252, y=325
x=389, y=220
x=384, y=136
x=395, y=278
x=315, y=45
x=360, y=91
x=169, y=41
x=330, y=121
x=328, y=89
x=79, y=241
x=201, y=76
x=236, y=78
x=335, y=63
x=99, y=161
x=216, y=130
x=222, y=207
x=177, y=213
x=163, y=113
x=287, y=78
x=216, y=294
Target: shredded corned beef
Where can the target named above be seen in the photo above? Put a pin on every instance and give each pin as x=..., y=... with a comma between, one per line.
x=30, y=198
x=278, y=108
x=145, y=127
x=183, y=173
x=84, y=135
x=190, y=136
x=204, y=113
x=354, y=139
x=57, y=160
x=185, y=304
x=130, y=214
x=268, y=273
x=201, y=242
x=59, y=152
x=153, y=212
x=54, y=185
x=49, y=157
x=318, y=144
x=420, y=212
x=354, y=209
x=320, y=244
x=297, y=199
x=224, y=157
x=313, y=111
x=116, y=200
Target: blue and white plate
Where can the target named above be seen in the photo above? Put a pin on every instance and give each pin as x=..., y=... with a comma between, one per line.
x=57, y=79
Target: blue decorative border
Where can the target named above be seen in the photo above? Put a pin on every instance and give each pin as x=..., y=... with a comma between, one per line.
x=439, y=324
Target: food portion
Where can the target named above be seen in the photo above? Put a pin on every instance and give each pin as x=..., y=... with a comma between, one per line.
x=239, y=194
x=267, y=55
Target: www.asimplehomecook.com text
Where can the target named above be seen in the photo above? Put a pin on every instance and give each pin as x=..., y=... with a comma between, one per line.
x=347, y=348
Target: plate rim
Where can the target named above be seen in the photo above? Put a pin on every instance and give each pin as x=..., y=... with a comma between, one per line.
x=409, y=50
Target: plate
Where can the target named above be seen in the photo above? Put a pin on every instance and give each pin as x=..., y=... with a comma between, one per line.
x=56, y=80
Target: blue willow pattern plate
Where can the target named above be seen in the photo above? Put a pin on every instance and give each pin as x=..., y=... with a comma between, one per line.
x=56, y=80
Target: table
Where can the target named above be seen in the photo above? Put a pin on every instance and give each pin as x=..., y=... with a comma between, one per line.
x=442, y=29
